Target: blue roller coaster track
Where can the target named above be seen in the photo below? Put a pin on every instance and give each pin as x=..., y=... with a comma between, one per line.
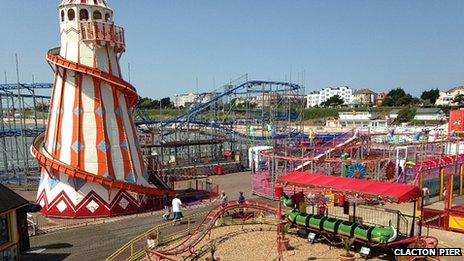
x=8, y=91
x=14, y=86
x=195, y=110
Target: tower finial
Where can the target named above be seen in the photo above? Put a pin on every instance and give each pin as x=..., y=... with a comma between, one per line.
x=100, y=3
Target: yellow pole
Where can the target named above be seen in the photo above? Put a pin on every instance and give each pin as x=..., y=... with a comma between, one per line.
x=450, y=192
x=461, y=179
x=442, y=172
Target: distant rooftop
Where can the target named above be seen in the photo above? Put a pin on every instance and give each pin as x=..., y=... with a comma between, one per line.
x=429, y=111
x=456, y=88
x=363, y=91
x=395, y=111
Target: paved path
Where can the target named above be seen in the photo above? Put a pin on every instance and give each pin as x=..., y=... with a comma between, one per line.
x=96, y=242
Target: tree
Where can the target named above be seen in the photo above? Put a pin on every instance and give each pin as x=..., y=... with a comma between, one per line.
x=431, y=95
x=166, y=102
x=405, y=115
x=459, y=99
x=335, y=100
x=397, y=97
x=42, y=106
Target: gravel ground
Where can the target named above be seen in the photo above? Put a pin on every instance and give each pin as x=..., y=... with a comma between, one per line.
x=257, y=242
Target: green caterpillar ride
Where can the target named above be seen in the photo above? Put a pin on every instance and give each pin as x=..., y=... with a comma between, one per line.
x=377, y=234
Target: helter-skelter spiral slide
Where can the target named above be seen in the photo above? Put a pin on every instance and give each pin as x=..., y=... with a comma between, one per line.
x=91, y=161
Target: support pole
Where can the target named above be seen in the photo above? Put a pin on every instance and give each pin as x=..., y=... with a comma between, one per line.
x=461, y=180
x=413, y=219
x=442, y=172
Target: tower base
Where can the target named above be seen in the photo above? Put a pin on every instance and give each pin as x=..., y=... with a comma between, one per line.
x=68, y=198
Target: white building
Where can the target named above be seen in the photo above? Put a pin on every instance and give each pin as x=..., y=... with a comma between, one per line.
x=316, y=98
x=312, y=99
x=363, y=97
x=446, y=98
x=429, y=114
x=361, y=119
x=393, y=114
x=185, y=100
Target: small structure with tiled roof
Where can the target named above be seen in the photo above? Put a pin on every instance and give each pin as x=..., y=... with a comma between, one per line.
x=14, y=237
x=364, y=97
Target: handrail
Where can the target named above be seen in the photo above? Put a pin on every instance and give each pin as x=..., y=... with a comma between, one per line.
x=210, y=220
x=211, y=215
x=144, y=235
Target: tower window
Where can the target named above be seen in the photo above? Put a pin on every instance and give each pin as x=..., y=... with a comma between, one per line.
x=107, y=17
x=84, y=15
x=97, y=15
x=71, y=15
x=62, y=16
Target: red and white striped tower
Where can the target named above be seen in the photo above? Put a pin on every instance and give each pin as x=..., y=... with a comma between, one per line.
x=91, y=161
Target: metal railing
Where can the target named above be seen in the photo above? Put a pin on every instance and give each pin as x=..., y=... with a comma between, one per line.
x=134, y=249
x=169, y=232
x=103, y=31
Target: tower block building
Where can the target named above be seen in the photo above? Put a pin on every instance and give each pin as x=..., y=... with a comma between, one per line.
x=91, y=161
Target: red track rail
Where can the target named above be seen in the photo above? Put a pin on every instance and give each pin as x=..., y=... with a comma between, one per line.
x=206, y=225
x=48, y=162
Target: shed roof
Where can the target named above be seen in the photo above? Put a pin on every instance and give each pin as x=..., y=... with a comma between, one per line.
x=429, y=111
x=10, y=200
x=394, y=192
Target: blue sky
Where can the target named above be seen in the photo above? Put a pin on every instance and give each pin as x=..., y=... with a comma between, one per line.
x=380, y=45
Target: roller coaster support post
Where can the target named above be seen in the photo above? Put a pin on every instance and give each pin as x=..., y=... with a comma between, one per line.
x=282, y=243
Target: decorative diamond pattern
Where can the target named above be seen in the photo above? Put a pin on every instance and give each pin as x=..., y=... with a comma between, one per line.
x=61, y=206
x=145, y=175
x=78, y=111
x=118, y=111
x=92, y=206
x=99, y=111
x=124, y=145
x=78, y=183
x=102, y=146
x=42, y=202
x=123, y=203
x=52, y=182
x=131, y=178
x=77, y=146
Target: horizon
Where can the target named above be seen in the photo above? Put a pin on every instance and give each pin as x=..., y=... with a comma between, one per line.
x=414, y=45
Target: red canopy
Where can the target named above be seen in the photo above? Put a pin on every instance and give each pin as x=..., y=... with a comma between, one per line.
x=393, y=191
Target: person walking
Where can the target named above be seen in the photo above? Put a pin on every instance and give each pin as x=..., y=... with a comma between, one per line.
x=241, y=198
x=223, y=199
x=177, y=209
x=426, y=194
x=241, y=201
x=167, y=206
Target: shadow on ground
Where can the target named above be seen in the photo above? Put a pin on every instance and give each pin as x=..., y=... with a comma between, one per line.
x=45, y=257
x=41, y=252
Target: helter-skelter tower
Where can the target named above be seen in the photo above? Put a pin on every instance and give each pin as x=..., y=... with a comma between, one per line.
x=90, y=158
